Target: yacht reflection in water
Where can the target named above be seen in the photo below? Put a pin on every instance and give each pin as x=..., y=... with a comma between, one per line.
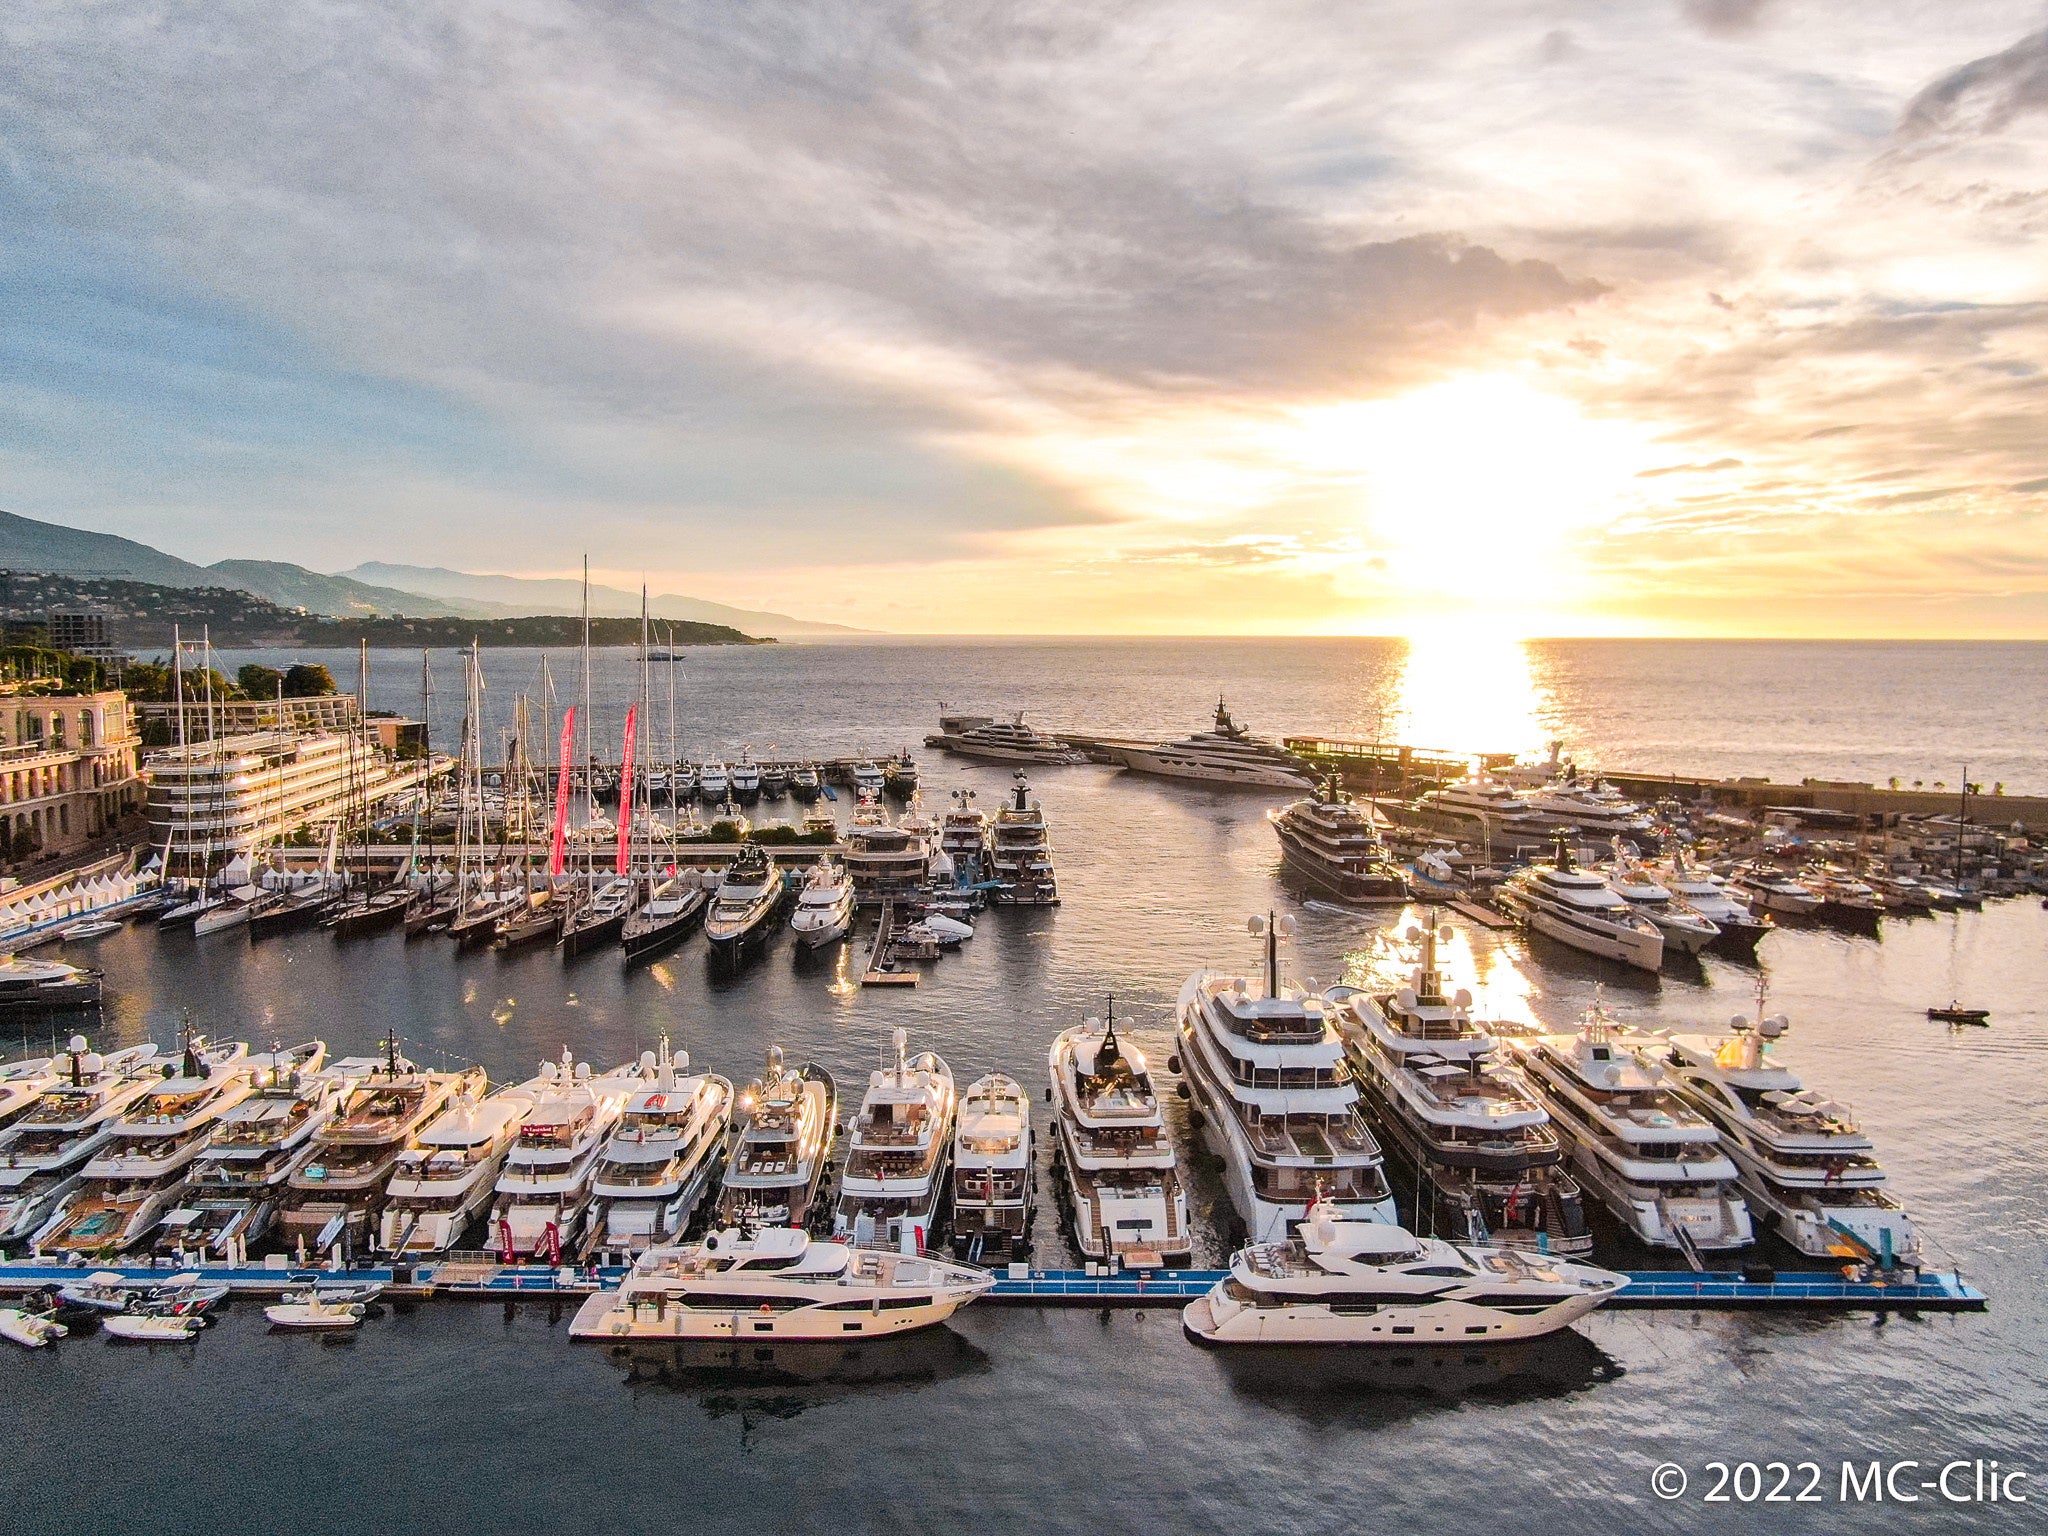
x=786, y=1377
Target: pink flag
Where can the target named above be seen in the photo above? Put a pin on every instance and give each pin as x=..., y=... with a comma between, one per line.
x=561, y=832
x=626, y=790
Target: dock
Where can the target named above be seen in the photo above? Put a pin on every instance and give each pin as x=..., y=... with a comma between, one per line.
x=1485, y=917
x=460, y=1279
x=885, y=966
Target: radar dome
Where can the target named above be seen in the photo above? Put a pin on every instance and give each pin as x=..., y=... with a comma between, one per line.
x=75, y=1044
x=92, y=1062
x=1463, y=999
x=1405, y=997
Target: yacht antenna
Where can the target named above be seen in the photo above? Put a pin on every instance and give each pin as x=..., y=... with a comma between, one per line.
x=1272, y=955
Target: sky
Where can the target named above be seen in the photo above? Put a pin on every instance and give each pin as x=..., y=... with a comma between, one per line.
x=1644, y=317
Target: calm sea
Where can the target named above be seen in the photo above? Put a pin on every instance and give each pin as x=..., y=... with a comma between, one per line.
x=462, y=1418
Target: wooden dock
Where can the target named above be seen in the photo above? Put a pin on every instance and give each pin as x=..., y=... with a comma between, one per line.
x=885, y=966
x=1485, y=917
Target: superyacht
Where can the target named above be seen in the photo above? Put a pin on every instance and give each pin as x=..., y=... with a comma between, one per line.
x=1333, y=844
x=444, y=1183
x=824, y=905
x=886, y=861
x=1576, y=908
x=662, y=1157
x=1708, y=894
x=1125, y=1197
x=986, y=739
x=544, y=1191
x=1022, y=860
x=1685, y=929
x=993, y=1176
x=895, y=1173
x=1224, y=754
x=742, y=913
x=785, y=1146
x=44, y=1152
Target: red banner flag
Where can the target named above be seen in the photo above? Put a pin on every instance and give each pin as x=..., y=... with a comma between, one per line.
x=626, y=790
x=560, y=838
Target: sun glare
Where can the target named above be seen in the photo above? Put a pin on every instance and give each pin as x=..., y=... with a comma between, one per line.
x=1467, y=689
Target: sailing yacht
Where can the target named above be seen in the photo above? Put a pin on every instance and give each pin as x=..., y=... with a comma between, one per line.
x=1466, y=1130
x=1022, y=857
x=665, y=919
x=445, y=1180
x=824, y=905
x=785, y=1145
x=662, y=1157
x=1277, y=1100
x=895, y=1173
x=600, y=919
x=993, y=1176
x=1352, y=1282
x=544, y=1190
x=1115, y=1157
x=44, y=1152
x=1654, y=1161
x=1576, y=908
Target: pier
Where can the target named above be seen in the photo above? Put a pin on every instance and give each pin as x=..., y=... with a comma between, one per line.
x=1018, y=1285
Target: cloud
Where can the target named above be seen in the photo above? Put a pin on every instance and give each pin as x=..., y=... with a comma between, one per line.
x=1688, y=469
x=1725, y=16
x=1981, y=97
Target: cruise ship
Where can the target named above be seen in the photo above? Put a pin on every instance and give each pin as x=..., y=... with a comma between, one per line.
x=1332, y=843
x=895, y=1173
x=44, y=1152
x=1463, y=1128
x=1022, y=857
x=1125, y=1197
x=1577, y=908
x=779, y=1163
x=1276, y=1099
x=662, y=1157
x=988, y=740
x=544, y=1191
x=444, y=1183
x=1652, y=1159
x=1807, y=1168
x=1224, y=754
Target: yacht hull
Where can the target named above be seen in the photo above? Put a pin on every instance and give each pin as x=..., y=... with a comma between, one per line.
x=1434, y=1322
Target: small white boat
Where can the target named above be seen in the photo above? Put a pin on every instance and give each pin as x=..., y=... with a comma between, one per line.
x=154, y=1327
x=311, y=1309
x=91, y=928
x=32, y=1330
x=105, y=1290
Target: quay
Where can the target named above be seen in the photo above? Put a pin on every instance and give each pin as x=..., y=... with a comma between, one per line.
x=469, y=1279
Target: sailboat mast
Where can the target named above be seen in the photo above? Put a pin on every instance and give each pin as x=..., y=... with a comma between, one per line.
x=589, y=769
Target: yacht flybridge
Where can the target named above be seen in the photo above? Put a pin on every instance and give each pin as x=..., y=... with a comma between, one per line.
x=779, y=1162
x=1276, y=1099
x=662, y=1156
x=1226, y=753
x=1654, y=1161
x=1360, y=1282
x=774, y=1283
x=1332, y=842
x=895, y=1171
x=1115, y=1159
x=1468, y=1133
x=1806, y=1166
x=1577, y=908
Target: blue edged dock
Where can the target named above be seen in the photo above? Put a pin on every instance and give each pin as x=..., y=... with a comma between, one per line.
x=1929, y=1291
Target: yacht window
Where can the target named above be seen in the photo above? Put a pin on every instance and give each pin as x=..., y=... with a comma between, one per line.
x=1445, y=1270
x=781, y=1261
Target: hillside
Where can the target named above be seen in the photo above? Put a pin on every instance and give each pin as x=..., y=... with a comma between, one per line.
x=293, y=586
x=525, y=594
x=553, y=631
x=27, y=545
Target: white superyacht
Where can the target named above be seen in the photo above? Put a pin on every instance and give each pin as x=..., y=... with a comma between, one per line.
x=662, y=1156
x=543, y=1194
x=1226, y=754
x=444, y=1182
x=993, y=1176
x=895, y=1171
x=1125, y=1196
x=44, y=1152
x=1578, y=908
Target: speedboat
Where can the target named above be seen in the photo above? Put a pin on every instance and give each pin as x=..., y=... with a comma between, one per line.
x=1577, y=908
x=785, y=1143
x=742, y=913
x=824, y=905
x=661, y=1157
x=1369, y=1282
x=993, y=1176
x=1126, y=1201
x=895, y=1173
x=313, y=1310
x=31, y=1330
x=1224, y=754
x=665, y=919
x=544, y=1193
x=1276, y=1099
x=157, y=1327
x=772, y=1283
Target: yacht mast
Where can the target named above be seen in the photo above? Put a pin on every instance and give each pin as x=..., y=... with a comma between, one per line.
x=589, y=770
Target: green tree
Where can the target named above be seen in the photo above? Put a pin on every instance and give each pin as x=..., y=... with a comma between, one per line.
x=309, y=680
x=259, y=681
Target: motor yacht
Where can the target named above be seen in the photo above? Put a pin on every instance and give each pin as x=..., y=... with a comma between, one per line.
x=1226, y=753
x=993, y=1176
x=662, y=1156
x=772, y=1283
x=966, y=837
x=21, y=1086
x=544, y=1189
x=785, y=1144
x=1022, y=857
x=1121, y=1181
x=44, y=1152
x=1684, y=929
x=1464, y=1129
x=745, y=778
x=775, y=780
x=886, y=861
x=1652, y=1159
x=1807, y=1168
x=601, y=919
x=337, y=1194
x=986, y=739
x=136, y=1175
x=1479, y=811
x=1275, y=1097
x=1708, y=894
x=1576, y=908
x=824, y=905
x=742, y=914
x=231, y=1197
x=32, y=989
x=1596, y=811
x=1770, y=891
x=804, y=782
x=1332, y=843
x=868, y=779
x=1844, y=899
x=440, y=1185
x=712, y=783
x=1356, y=1282
x=895, y=1173
x=665, y=919
x=899, y=775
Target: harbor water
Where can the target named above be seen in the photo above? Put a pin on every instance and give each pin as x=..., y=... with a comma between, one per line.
x=472, y=1417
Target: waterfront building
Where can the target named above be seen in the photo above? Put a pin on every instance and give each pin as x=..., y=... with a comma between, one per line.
x=67, y=768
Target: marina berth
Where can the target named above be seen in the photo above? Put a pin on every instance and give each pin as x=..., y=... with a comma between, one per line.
x=1226, y=753
x=776, y=1283
x=544, y=1190
x=1332, y=842
x=1808, y=1170
x=44, y=1152
x=1276, y=1099
x=1467, y=1131
x=1125, y=1199
x=1021, y=860
x=444, y=1182
x=896, y=1153
x=993, y=1176
x=824, y=905
x=137, y=1173
x=983, y=738
x=1654, y=1161
x=778, y=1164
x=1577, y=908
x=660, y=1160
x=1371, y=1283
